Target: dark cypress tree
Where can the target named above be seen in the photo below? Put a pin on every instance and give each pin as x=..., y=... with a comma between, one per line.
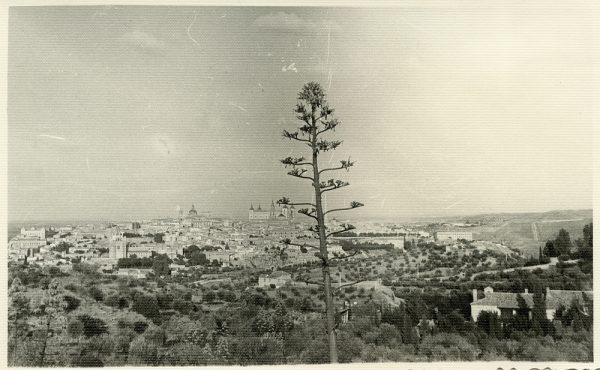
x=521, y=321
x=550, y=249
x=563, y=242
x=539, y=322
x=586, y=248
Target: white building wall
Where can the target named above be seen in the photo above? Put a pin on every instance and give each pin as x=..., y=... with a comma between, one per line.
x=477, y=309
x=454, y=235
x=34, y=233
x=258, y=215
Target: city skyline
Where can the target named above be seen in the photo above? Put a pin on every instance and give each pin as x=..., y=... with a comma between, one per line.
x=126, y=112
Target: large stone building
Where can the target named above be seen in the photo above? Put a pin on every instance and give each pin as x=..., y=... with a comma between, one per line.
x=118, y=248
x=33, y=233
x=196, y=219
x=27, y=244
x=122, y=247
x=286, y=231
x=453, y=235
x=281, y=213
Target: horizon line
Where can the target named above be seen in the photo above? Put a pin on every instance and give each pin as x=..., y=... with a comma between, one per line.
x=355, y=217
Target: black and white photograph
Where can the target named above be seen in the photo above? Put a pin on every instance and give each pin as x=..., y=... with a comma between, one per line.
x=234, y=185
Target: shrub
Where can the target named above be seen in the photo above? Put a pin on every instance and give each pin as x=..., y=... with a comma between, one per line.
x=92, y=326
x=87, y=359
x=210, y=296
x=96, y=293
x=86, y=269
x=448, y=347
x=117, y=301
x=140, y=326
x=147, y=306
x=75, y=328
x=71, y=303
x=184, y=354
x=72, y=287
x=182, y=306
x=142, y=352
x=165, y=301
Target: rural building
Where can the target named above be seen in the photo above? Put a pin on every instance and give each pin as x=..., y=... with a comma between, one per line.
x=135, y=273
x=277, y=278
x=507, y=304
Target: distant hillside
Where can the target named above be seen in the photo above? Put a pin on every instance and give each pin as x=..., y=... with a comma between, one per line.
x=13, y=230
x=549, y=230
x=531, y=230
x=528, y=216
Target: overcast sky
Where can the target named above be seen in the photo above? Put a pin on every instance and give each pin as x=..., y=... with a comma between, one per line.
x=127, y=112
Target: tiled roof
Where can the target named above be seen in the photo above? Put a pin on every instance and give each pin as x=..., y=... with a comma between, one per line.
x=504, y=300
x=277, y=274
x=554, y=299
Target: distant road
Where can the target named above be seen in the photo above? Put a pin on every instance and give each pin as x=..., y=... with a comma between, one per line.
x=572, y=219
x=553, y=261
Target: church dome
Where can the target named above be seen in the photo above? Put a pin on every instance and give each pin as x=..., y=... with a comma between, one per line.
x=193, y=211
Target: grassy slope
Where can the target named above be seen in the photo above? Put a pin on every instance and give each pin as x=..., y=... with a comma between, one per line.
x=516, y=230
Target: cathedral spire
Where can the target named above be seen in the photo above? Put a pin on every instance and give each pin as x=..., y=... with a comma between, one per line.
x=272, y=214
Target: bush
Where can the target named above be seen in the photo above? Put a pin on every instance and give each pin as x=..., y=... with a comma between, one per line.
x=372, y=353
x=117, y=301
x=147, y=306
x=140, y=326
x=142, y=352
x=71, y=303
x=71, y=287
x=96, y=293
x=448, y=347
x=86, y=269
x=184, y=354
x=75, y=328
x=87, y=359
x=210, y=296
x=182, y=306
x=156, y=335
x=264, y=351
x=54, y=271
x=92, y=326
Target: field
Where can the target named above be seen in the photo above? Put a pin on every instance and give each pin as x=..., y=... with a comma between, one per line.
x=517, y=230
